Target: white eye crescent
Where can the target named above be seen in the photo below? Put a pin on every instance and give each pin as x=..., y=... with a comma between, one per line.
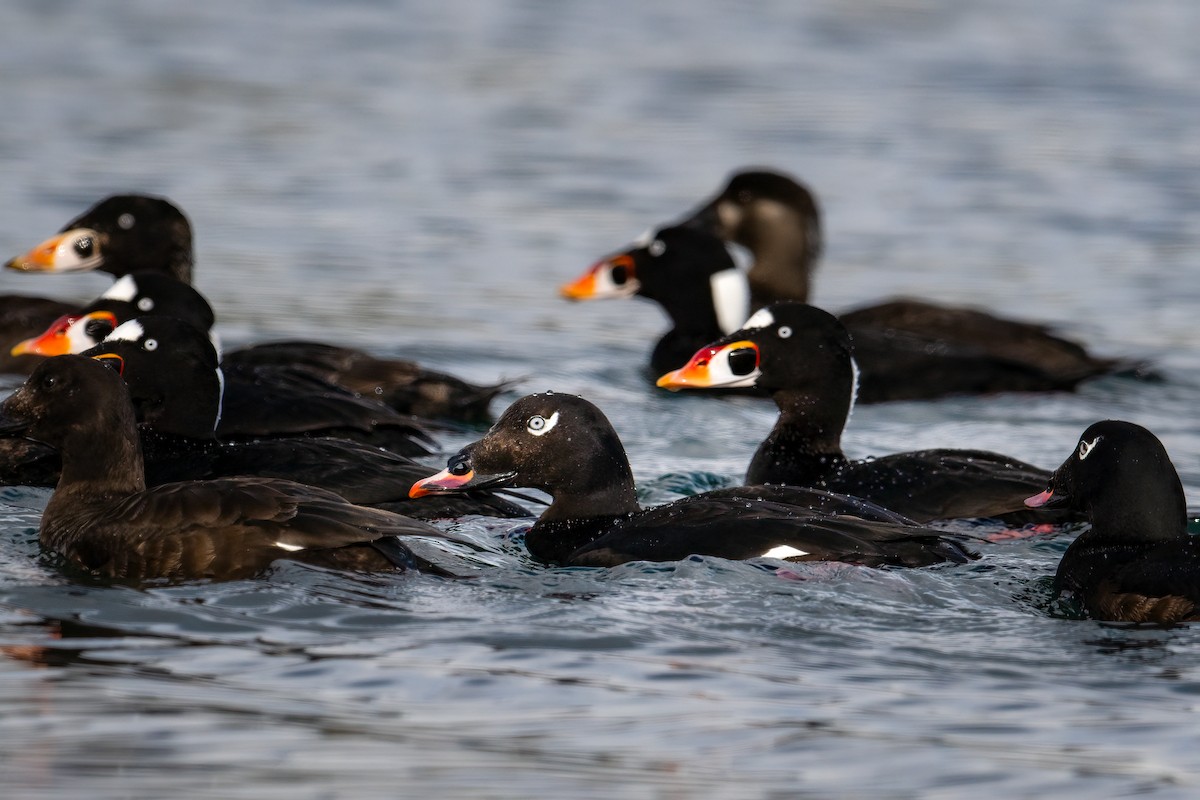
x=540, y=426
x=1086, y=448
x=145, y=304
x=784, y=331
x=657, y=248
x=150, y=344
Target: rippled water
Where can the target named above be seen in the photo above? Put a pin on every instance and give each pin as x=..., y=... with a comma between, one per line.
x=417, y=178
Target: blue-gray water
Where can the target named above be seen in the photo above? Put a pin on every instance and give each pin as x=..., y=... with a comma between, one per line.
x=417, y=178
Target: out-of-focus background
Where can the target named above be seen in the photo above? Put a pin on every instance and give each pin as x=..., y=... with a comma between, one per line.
x=417, y=178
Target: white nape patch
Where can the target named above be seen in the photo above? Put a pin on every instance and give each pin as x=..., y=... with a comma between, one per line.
x=131, y=331
x=743, y=258
x=1086, y=448
x=759, y=319
x=215, y=339
x=291, y=548
x=124, y=290
x=854, y=375
x=68, y=258
x=540, y=426
x=220, y=397
x=731, y=298
x=783, y=551
x=645, y=239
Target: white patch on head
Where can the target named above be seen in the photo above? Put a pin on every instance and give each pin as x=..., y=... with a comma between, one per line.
x=783, y=551
x=123, y=290
x=220, y=397
x=731, y=298
x=759, y=319
x=131, y=331
x=125, y=221
x=1086, y=448
x=854, y=376
x=540, y=426
x=67, y=256
x=291, y=548
x=645, y=239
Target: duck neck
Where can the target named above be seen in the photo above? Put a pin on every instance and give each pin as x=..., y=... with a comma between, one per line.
x=785, y=246
x=583, y=510
x=103, y=464
x=805, y=446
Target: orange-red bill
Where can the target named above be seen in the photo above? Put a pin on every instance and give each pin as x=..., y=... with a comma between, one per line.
x=444, y=481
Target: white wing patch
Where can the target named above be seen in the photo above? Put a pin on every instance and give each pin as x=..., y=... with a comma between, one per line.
x=291, y=548
x=783, y=551
x=124, y=290
x=1086, y=448
x=731, y=298
x=131, y=331
x=759, y=319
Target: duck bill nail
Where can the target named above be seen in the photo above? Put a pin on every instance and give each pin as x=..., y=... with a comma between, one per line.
x=1039, y=500
x=39, y=259
x=441, y=483
x=584, y=288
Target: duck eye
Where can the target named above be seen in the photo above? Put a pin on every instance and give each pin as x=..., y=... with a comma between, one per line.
x=657, y=248
x=1086, y=448
x=743, y=361
x=540, y=426
x=97, y=329
x=619, y=275
x=145, y=304
x=125, y=221
x=150, y=344
x=49, y=381
x=84, y=246
x=784, y=332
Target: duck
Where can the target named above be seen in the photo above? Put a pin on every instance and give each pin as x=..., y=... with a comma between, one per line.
x=259, y=400
x=104, y=520
x=908, y=349
x=689, y=273
x=803, y=358
x=176, y=389
x=1136, y=561
x=565, y=446
x=129, y=233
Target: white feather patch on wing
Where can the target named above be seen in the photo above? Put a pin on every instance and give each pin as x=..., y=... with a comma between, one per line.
x=731, y=298
x=783, y=551
x=291, y=548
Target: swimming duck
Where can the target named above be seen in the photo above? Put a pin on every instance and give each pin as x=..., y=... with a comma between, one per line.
x=176, y=388
x=803, y=358
x=259, y=401
x=1137, y=562
x=129, y=233
x=102, y=517
x=908, y=349
x=566, y=447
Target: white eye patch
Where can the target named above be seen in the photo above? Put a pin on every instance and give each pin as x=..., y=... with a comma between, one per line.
x=540, y=426
x=759, y=319
x=131, y=331
x=1086, y=448
x=124, y=290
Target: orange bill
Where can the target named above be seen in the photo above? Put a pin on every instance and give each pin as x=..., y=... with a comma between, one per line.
x=716, y=367
x=611, y=277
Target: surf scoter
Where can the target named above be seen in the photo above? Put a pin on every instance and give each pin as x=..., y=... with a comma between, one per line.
x=176, y=389
x=803, y=358
x=129, y=233
x=102, y=517
x=566, y=447
x=1137, y=562
x=908, y=349
x=259, y=400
